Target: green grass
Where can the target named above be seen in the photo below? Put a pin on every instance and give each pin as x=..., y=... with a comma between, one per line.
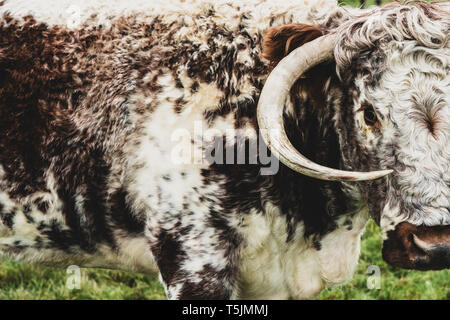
x=395, y=283
x=356, y=3
x=23, y=281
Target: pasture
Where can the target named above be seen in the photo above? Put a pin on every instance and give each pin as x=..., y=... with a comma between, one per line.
x=24, y=281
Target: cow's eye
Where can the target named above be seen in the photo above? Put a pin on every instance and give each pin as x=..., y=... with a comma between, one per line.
x=370, y=116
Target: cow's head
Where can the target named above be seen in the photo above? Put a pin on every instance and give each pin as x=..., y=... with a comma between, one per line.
x=393, y=118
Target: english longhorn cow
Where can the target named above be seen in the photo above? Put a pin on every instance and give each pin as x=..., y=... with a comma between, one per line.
x=135, y=138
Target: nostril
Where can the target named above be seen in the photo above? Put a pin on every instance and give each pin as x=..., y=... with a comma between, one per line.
x=424, y=246
x=436, y=257
x=422, y=262
x=418, y=247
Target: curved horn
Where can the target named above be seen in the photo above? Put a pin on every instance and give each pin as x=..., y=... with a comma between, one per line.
x=270, y=111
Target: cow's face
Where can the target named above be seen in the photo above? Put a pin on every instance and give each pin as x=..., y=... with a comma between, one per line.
x=391, y=111
x=400, y=117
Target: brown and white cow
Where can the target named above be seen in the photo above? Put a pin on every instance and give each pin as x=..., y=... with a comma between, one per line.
x=132, y=136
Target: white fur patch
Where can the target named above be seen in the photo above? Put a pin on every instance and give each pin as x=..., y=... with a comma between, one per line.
x=75, y=13
x=272, y=268
x=413, y=93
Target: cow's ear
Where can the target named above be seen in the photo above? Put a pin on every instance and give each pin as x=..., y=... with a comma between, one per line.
x=280, y=41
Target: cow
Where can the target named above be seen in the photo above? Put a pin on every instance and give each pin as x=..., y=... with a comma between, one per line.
x=237, y=149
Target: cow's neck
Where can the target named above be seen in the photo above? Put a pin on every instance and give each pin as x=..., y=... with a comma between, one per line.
x=309, y=233
x=316, y=203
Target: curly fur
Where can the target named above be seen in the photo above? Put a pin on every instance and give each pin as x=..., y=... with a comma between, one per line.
x=92, y=92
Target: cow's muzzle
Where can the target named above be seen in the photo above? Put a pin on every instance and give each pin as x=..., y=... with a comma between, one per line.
x=418, y=247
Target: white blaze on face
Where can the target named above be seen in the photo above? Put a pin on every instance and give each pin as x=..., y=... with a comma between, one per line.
x=413, y=102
